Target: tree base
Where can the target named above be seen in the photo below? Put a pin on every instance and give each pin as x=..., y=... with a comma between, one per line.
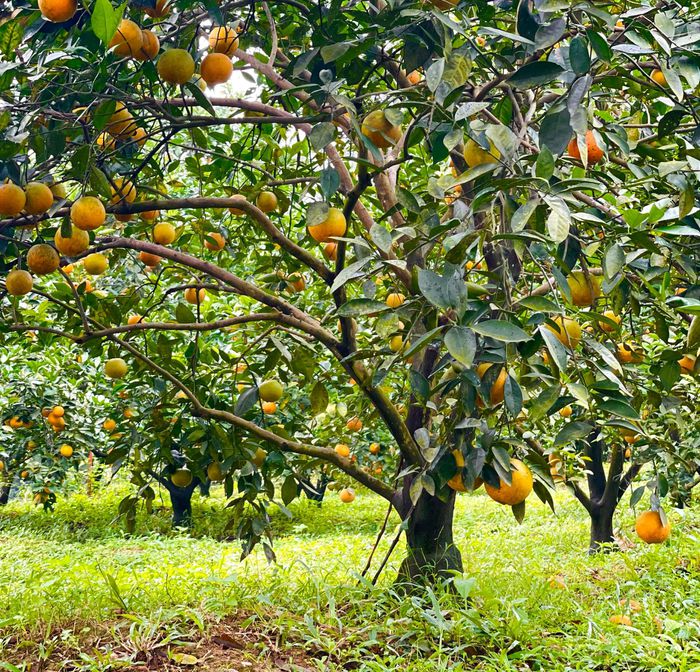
x=602, y=537
x=426, y=568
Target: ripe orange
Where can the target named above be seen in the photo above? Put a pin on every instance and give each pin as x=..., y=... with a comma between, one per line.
x=175, y=66
x=150, y=260
x=595, y=153
x=333, y=225
x=163, y=233
x=269, y=407
x=497, y=392
x=297, y=282
x=379, y=130
x=609, y=328
x=347, y=495
x=567, y=330
x=354, y=424
x=630, y=353
x=66, y=450
x=330, y=251
x=121, y=123
x=123, y=191
x=160, y=10
x=374, y=448
x=115, y=368
x=109, y=424
x=95, y=264
x=620, y=619
x=42, y=259
x=687, y=364
x=150, y=215
x=18, y=282
x=58, y=11
x=650, y=529
x=659, y=77
x=342, y=449
x=150, y=46
x=266, y=201
x=77, y=242
x=395, y=300
x=223, y=40
x=414, y=77
x=583, y=294
x=128, y=40
x=88, y=213
x=217, y=242
x=194, y=296
x=517, y=491
x=39, y=198
x=134, y=319
x=216, y=69
x=12, y=199
x=58, y=411
x=566, y=412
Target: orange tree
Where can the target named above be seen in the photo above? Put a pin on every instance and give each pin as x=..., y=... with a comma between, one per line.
x=477, y=214
x=50, y=404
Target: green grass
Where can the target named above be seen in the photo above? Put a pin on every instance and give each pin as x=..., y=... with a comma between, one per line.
x=75, y=569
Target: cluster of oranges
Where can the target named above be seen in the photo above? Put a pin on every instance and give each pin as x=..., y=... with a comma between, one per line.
x=56, y=417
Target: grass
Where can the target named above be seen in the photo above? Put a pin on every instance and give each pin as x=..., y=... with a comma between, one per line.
x=75, y=588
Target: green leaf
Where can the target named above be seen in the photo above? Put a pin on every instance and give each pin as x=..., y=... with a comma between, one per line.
x=559, y=219
x=526, y=24
x=556, y=350
x=544, y=166
x=357, y=307
x=535, y=74
x=319, y=398
x=543, y=402
x=329, y=181
x=184, y=315
x=444, y=292
x=619, y=408
x=105, y=20
x=614, y=261
x=201, y=99
x=289, y=490
x=501, y=330
x=572, y=431
x=321, y=135
x=381, y=237
x=419, y=384
x=246, y=400
x=578, y=55
x=102, y=114
x=549, y=33
x=555, y=131
x=600, y=45
x=513, y=396
x=539, y=303
x=519, y=511
x=461, y=344
x=99, y=182
x=670, y=122
x=11, y=36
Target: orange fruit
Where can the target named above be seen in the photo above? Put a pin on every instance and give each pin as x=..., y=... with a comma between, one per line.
x=658, y=77
x=160, y=10
x=567, y=330
x=12, y=199
x=330, y=251
x=175, y=66
x=66, y=450
x=150, y=260
x=630, y=353
x=134, y=319
x=497, y=391
x=620, y=619
x=216, y=69
x=595, y=153
x=347, y=495
x=123, y=191
x=58, y=411
x=121, y=123
x=395, y=300
x=270, y=390
x=76, y=243
x=650, y=529
x=518, y=490
x=566, y=412
x=297, y=282
x=150, y=215
x=58, y=11
x=42, y=259
x=354, y=424
x=88, y=213
x=214, y=472
x=269, y=407
x=609, y=328
x=266, y=201
x=39, y=198
x=583, y=294
x=150, y=46
x=223, y=40
x=334, y=225
x=379, y=130
x=374, y=448
x=181, y=478
x=687, y=364
x=115, y=368
x=475, y=155
x=414, y=77
x=109, y=424
x=217, y=242
x=18, y=282
x=194, y=296
x=128, y=40
x=164, y=233
x=342, y=449
x=95, y=264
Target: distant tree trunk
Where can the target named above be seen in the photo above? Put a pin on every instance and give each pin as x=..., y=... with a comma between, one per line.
x=431, y=551
x=317, y=492
x=181, y=501
x=604, y=491
x=5, y=493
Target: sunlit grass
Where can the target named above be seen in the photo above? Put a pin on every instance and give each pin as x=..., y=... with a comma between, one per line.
x=77, y=566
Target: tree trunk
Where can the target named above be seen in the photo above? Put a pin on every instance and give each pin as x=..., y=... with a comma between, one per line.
x=602, y=537
x=4, y=493
x=181, y=500
x=432, y=553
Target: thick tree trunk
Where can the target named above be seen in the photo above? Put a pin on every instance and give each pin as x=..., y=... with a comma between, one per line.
x=4, y=493
x=432, y=553
x=181, y=500
x=602, y=537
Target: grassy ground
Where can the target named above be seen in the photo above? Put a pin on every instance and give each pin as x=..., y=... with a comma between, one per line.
x=77, y=594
